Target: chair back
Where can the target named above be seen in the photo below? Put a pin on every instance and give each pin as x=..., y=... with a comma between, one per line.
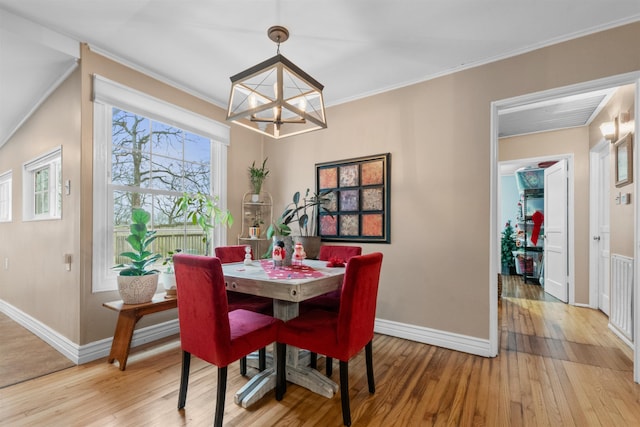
x=358, y=301
x=233, y=253
x=202, y=307
x=338, y=251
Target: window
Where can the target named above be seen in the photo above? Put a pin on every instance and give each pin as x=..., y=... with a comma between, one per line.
x=147, y=153
x=5, y=196
x=42, y=187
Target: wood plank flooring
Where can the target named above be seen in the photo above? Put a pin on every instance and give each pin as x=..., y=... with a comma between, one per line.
x=15, y=365
x=558, y=366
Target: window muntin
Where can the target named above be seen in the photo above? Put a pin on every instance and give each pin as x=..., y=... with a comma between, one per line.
x=183, y=144
x=42, y=187
x=5, y=196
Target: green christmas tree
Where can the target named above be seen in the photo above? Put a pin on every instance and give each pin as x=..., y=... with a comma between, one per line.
x=508, y=246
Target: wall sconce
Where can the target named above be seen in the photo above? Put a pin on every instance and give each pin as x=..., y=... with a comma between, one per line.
x=611, y=130
x=276, y=98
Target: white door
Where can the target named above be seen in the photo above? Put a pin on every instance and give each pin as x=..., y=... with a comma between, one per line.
x=555, y=231
x=601, y=240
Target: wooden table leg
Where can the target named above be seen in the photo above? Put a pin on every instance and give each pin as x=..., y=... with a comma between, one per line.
x=122, y=337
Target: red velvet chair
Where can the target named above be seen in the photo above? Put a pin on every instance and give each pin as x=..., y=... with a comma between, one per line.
x=343, y=334
x=329, y=301
x=236, y=300
x=208, y=329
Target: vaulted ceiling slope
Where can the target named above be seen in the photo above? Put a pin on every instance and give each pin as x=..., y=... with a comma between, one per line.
x=355, y=48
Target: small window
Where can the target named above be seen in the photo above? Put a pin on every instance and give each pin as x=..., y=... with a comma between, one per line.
x=5, y=196
x=42, y=187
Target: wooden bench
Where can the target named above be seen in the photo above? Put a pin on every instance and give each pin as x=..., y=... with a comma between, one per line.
x=128, y=316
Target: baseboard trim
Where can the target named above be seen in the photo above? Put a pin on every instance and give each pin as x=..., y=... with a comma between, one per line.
x=80, y=354
x=619, y=334
x=449, y=340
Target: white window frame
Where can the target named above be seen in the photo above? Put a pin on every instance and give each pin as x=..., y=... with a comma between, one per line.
x=52, y=161
x=6, y=205
x=106, y=95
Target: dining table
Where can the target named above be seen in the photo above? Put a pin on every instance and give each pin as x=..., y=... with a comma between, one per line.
x=287, y=286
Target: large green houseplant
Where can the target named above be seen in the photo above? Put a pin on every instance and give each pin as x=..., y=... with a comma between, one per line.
x=303, y=212
x=203, y=210
x=138, y=279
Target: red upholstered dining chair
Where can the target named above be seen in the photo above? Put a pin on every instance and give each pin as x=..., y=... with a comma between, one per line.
x=343, y=334
x=209, y=331
x=329, y=301
x=236, y=300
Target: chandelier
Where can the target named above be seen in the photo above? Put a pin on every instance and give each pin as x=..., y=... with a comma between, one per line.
x=276, y=98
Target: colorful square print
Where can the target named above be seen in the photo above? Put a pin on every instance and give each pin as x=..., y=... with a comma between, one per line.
x=372, y=225
x=372, y=173
x=328, y=225
x=349, y=225
x=332, y=202
x=372, y=199
x=349, y=200
x=328, y=178
x=349, y=176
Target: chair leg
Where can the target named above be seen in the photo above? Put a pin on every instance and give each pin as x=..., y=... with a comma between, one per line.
x=313, y=362
x=262, y=359
x=184, y=379
x=344, y=392
x=243, y=366
x=281, y=374
x=222, y=391
x=368, y=349
x=329, y=366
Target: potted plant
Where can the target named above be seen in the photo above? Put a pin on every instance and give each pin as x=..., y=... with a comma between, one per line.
x=302, y=212
x=138, y=280
x=257, y=175
x=168, y=274
x=203, y=210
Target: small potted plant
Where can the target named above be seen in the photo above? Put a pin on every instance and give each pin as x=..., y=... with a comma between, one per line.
x=168, y=274
x=257, y=175
x=138, y=280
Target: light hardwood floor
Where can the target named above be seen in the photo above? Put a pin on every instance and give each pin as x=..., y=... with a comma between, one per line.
x=558, y=366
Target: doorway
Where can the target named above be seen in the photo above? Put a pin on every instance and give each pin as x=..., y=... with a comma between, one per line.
x=535, y=259
x=522, y=102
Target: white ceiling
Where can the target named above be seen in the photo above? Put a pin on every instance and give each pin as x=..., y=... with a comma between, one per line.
x=355, y=48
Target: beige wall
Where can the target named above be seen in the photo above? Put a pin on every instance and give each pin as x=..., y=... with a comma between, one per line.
x=37, y=282
x=570, y=141
x=621, y=216
x=436, y=270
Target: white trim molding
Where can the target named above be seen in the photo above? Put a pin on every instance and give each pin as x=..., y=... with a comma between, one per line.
x=80, y=354
x=448, y=340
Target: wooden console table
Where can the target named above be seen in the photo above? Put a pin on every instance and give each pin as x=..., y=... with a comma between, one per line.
x=128, y=316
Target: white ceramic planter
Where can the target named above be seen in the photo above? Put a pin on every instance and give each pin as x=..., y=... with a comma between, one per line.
x=168, y=281
x=137, y=289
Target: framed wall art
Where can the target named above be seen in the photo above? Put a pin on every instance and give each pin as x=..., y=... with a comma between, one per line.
x=624, y=161
x=358, y=206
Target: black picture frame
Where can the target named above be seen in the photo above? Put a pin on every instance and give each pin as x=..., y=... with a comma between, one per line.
x=358, y=209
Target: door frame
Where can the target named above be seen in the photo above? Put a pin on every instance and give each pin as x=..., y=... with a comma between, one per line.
x=594, y=256
x=494, y=248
